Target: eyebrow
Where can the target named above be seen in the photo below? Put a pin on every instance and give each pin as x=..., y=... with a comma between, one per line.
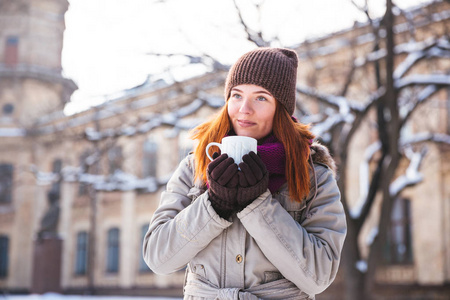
x=257, y=92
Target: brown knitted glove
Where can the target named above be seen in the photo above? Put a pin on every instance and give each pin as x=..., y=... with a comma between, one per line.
x=222, y=174
x=253, y=179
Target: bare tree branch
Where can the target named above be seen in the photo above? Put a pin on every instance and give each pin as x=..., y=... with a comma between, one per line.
x=172, y=119
x=420, y=79
x=338, y=102
x=364, y=180
x=418, y=138
x=364, y=9
x=252, y=36
x=412, y=175
x=203, y=58
x=422, y=97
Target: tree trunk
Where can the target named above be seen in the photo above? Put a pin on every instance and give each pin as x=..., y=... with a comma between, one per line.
x=354, y=279
x=91, y=241
x=389, y=123
x=92, y=246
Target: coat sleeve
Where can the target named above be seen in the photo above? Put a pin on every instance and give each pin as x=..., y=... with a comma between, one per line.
x=180, y=229
x=307, y=254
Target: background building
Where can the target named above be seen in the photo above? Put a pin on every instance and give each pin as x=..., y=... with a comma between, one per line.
x=101, y=171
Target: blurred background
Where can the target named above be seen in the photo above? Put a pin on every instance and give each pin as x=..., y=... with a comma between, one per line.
x=98, y=98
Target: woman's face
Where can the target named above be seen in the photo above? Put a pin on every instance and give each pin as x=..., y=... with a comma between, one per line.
x=251, y=109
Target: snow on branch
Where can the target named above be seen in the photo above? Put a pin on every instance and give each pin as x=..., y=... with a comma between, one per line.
x=425, y=137
x=118, y=181
x=421, y=79
x=412, y=175
x=408, y=108
x=344, y=105
x=172, y=119
x=44, y=178
x=444, y=44
x=346, y=110
x=121, y=181
x=419, y=50
x=364, y=180
x=415, y=50
x=406, y=65
x=322, y=129
x=203, y=58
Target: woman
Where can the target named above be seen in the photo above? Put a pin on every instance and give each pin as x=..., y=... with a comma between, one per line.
x=272, y=228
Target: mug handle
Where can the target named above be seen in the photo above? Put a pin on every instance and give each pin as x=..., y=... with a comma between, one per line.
x=212, y=144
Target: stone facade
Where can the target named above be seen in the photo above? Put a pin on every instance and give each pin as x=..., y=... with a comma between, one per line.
x=109, y=164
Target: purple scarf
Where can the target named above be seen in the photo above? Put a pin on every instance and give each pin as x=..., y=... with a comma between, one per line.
x=273, y=155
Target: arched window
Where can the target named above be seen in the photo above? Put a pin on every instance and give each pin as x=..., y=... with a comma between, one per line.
x=81, y=253
x=143, y=268
x=149, y=159
x=115, y=159
x=112, y=255
x=4, y=257
x=11, y=51
x=399, y=239
x=6, y=183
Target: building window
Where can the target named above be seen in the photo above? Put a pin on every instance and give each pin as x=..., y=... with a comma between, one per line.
x=399, y=239
x=11, y=51
x=6, y=183
x=112, y=256
x=149, y=159
x=8, y=109
x=143, y=268
x=82, y=253
x=82, y=188
x=448, y=110
x=115, y=159
x=4, y=246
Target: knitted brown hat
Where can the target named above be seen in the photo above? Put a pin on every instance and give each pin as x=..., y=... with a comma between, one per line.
x=274, y=69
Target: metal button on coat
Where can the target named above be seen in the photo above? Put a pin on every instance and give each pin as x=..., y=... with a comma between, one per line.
x=239, y=258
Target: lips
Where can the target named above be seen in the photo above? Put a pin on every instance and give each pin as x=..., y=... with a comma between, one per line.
x=245, y=123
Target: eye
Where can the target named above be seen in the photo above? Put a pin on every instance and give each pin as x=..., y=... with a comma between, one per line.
x=236, y=96
x=261, y=98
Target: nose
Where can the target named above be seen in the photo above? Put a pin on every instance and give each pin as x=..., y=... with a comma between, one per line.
x=246, y=107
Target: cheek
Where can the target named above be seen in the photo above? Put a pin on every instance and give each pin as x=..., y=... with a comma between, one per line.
x=267, y=120
x=231, y=109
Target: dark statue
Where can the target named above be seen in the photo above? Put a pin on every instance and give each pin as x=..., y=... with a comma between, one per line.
x=49, y=223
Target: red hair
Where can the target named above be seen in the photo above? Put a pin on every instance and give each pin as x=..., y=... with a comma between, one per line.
x=213, y=130
x=295, y=138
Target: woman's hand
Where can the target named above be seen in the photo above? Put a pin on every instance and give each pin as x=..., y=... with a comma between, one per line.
x=253, y=179
x=222, y=174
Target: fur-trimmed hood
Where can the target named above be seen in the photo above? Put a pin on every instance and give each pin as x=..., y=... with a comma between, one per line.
x=321, y=155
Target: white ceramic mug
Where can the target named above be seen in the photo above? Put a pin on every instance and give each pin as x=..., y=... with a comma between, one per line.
x=235, y=147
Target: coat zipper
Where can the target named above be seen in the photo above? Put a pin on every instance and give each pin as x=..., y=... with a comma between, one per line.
x=223, y=262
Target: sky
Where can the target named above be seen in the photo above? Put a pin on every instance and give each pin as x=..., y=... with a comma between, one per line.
x=107, y=43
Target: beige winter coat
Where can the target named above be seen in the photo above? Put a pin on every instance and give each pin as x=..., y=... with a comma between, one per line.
x=273, y=249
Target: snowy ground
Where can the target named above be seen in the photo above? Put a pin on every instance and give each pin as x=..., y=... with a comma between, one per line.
x=52, y=296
